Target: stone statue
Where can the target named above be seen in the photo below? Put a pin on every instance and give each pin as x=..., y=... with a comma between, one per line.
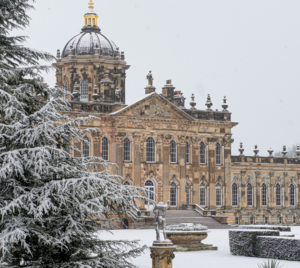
x=160, y=219
x=150, y=79
x=118, y=94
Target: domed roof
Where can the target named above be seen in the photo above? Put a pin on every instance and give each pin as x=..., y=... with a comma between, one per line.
x=89, y=40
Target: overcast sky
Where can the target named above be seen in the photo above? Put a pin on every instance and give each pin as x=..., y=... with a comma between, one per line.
x=248, y=50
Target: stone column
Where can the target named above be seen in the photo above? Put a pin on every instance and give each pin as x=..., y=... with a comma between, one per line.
x=162, y=254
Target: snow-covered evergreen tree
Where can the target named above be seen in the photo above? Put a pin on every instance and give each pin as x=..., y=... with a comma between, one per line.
x=51, y=204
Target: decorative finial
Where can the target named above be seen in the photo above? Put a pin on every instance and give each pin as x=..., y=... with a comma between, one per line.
x=298, y=151
x=58, y=54
x=117, y=53
x=225, y=105
x=208, y=102
x=256, y=151
x=270, y=151
x=193, y=103
x=149, y=88
x=241, y=149
x=284, y=151
x=91, y=5
x=122, y=55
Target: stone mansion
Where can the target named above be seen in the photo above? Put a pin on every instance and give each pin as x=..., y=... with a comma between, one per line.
x=179, y=154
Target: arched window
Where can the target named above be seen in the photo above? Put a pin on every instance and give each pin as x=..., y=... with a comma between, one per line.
x=173, y=194
x=90, y=21
x=264, y=199
x=278, y=195
x=234, y=194
x=84, y=90
x=292, y=195
x=94, y=22
x=202, y=194
x=218, y=195
x=150, y=150
x=218, y=154
x=187, y=153
x=202, y=153
x=105, y=149
x=127, y=150
x=188, y=193
x=249, y=195
x=86, y=147
x=150, y=190
x=173, y=152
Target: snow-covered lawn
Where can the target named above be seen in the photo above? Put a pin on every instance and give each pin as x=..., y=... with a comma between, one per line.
x=207, y=259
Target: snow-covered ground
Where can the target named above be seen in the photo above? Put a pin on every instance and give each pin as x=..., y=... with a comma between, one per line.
x=211, y=259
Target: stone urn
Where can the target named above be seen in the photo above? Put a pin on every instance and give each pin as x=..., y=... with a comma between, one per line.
x=188, y=237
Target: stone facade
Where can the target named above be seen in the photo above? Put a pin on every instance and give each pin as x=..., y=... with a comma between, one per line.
x=179, y=154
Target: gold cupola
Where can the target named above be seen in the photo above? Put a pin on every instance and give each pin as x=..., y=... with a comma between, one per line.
x=91, y=17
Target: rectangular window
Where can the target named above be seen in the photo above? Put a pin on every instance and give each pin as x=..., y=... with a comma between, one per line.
x=264, y=195
x=173, y=152
x=278, y=195
x=202, y=195
x=219, y=196
x=187, y=153
x=218, y=154
x=173, y=195
x=84, y=91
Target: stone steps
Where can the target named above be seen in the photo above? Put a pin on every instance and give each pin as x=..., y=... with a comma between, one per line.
x=191, y=216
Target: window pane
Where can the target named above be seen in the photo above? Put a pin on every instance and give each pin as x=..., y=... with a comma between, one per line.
x=218, y=154
x=234, y=195
x=202, y=153
x=173, y=194
x=218, y=195
x=150, y=190
x=202, y=195
x=292, y=195
x=105, y=149
x=150, y=150
x=173, y=152
x=187, y=153
x=278, y=195
x=86, y=147
x=127, y=150
x=264, y=194
x=188, y=193
x=249, y=195
x=84, y=90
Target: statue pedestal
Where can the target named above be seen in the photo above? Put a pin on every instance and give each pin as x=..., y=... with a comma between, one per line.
x=162, y=254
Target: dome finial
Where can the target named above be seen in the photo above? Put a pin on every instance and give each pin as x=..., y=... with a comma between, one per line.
x=91, y=17
x=91, y=5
